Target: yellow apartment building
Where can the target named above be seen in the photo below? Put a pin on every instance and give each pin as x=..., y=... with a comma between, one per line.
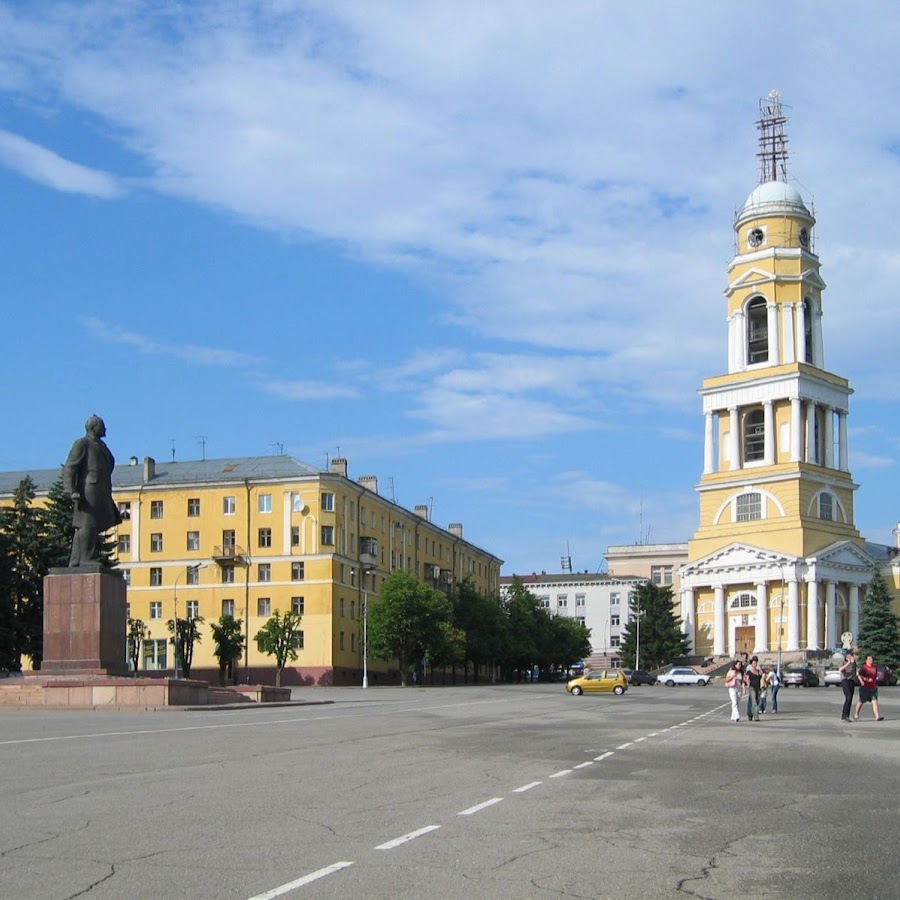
x=254, y=535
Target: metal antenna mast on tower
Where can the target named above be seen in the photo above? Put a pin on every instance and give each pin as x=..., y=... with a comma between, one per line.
x=773, y=153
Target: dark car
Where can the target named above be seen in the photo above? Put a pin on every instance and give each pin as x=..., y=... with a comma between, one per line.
x=799, y=676
x=639, y=676
x=886, y=676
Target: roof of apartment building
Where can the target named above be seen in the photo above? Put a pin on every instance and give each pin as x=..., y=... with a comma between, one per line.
x=568, y=578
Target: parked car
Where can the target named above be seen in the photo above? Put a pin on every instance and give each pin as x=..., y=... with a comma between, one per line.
x=799, y=676
x=832, y=676
x=682, y=675
x=886, y=676
x=639, y=676
x=602, y=681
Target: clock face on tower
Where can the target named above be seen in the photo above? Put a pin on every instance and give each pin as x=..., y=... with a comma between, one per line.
x=756, y=237
x=803, y=234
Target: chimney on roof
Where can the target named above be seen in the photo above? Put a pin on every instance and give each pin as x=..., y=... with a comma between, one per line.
x=132, y=461
x=369, y=482
x=455, y=528
x=149, y=468
x=339, y=466
x=422, y=511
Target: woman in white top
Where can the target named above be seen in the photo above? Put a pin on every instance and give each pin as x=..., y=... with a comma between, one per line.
x=735, y=678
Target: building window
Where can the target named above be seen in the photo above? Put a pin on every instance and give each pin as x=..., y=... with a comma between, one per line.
x=193, y=540
x=155, y=609
x=265, y=503
x=341, y=644
x=341, y=607
x=298, y=640
x=754, y=436
x=155, y=576
x=808, y=331
x=562, y=600
x=352, y=609
x=297, y=571
x=156, y=542
x=192, y=574
x=579, y=599
x=124, y=543
x=193, y=509
x=614, y=621
x=228, y=608
x=295, y=535
x=297, y=605
x=193, y=609
x=264, y=572
x=327, y=502
x=229, y=541
x=264, y=606
x=743, y=601
x=749, y=507
x=757, y=331
x=661, y=575
x=615, y=598
x=265, y=537
x=125, y=511
x=352, y=641
x=826, y=506
x=614, y=640
x=155, y=655
x=156, y=509
x=228, y=506
x=227, y=574
x=328, y=535
x=296, y=503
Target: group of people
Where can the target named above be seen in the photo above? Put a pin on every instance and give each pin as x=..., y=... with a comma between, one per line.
x=760, y=683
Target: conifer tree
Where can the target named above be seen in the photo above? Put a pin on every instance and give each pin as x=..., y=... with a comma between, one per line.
x=878, y=628
x=661, y=638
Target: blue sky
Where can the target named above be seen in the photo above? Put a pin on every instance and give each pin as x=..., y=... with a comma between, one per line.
x=477, y=248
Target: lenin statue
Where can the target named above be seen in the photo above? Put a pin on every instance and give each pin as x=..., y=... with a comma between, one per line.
x=87, y=479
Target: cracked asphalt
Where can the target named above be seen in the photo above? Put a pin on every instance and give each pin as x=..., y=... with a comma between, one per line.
x=470, y=792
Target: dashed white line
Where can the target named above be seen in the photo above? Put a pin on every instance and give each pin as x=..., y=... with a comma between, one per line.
x=474, y=809
x=624, y=746
x=306, y=879
x=527, y=787
x=584, y=765
x=396, y=842
x=560, y=773
x=638, y=740
x=603, y=756
x=655, y=734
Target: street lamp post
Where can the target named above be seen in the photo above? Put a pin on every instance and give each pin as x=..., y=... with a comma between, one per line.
x=194, y=568
x=367, y=563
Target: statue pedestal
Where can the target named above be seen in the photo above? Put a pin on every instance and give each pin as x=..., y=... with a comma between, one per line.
x=84, y=622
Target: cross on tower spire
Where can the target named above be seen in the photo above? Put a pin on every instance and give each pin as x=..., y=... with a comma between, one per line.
x=773, y=153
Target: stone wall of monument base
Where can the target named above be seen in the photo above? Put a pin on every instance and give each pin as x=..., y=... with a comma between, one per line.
x=61, y=692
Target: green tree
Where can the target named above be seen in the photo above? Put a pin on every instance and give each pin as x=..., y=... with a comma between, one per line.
x=185, y=633
x=528, y=627
x=278, y=638
x=229, y=647
x=878, y=629
x=661, y=638
x=9, y=626
x=571, y=641
x=134, y=641
x=484, y=623
x=409, y=622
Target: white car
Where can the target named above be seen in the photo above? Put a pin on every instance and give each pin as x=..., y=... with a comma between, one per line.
x=682, y=675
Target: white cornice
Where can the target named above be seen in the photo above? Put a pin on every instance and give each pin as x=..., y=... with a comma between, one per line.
x=786, y=386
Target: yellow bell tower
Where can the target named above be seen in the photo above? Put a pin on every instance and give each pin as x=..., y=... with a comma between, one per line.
x=776, y=562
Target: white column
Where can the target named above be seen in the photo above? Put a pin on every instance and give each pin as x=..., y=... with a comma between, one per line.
x=844, y=461
x=719, y=622
x=854, y=611
x=740, y=334
x=812, y=613
x=774, y=342
x=732, y=344
x=811, y=449
x=769, y=420
x=796, y=430
x=709, y=445
x=790, y=352
x=801, y=332
x=734, y=439
x=793, y=629
x=829, y=437
x=831, y=637
x=688, y=625
x=762, y=618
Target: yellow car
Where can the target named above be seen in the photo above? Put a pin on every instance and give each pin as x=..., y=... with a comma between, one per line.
x=606, y=680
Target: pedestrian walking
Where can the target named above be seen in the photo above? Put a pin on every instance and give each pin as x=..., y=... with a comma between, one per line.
x=848, y=683
x=734, y=681
x=773, y=679
x=754, y=685
x=868, y=688
x=764, y=691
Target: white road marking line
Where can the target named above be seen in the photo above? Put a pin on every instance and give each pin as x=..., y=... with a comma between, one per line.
x=623, y=746
x=638, y=740
x=306, y=879
x=603, y=756
x=584, y=765
x=527, y=787
x=396, y=842
x=560, y=773
x=474, y=809
x=655, y=734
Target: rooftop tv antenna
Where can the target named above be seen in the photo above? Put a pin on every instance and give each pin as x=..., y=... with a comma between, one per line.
x=565, y=562
x=172, y=442
x=201, y=440
x=773, y=152
x=278, y=447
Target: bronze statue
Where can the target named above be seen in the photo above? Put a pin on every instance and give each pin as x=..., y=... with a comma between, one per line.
x=87, y=479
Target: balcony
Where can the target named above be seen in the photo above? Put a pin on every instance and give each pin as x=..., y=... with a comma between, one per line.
x=228, y=554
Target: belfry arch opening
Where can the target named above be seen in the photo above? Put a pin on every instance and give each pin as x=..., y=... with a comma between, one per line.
x=757, y=331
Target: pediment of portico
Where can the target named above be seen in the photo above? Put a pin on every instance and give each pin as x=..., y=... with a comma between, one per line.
x=842, y=555
x=737, y=558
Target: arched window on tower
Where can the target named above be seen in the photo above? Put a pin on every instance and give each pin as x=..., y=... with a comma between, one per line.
x=754, y=436
x=808, y=330
x=757, y=331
